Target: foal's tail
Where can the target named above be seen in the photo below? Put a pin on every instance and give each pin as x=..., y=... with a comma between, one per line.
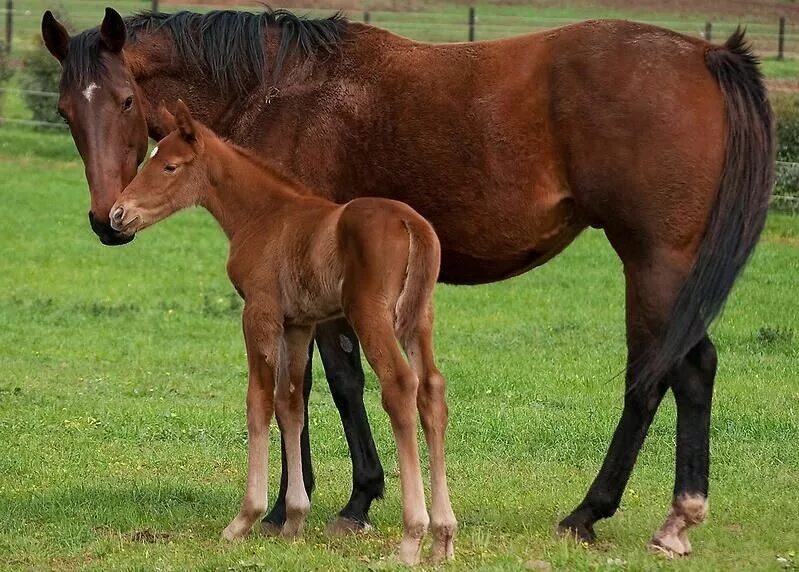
x=739, y=214
x=424, y=262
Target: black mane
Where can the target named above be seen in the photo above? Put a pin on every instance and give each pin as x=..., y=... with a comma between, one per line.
x=227, y=46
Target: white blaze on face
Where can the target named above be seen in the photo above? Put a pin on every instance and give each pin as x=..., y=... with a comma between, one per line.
x=155, y=150
x=88, y=93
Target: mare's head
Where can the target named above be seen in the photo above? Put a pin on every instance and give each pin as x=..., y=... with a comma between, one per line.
x=99, y=99
x=174, y=178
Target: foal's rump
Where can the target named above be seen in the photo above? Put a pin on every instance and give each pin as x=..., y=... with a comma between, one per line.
x=390, y=249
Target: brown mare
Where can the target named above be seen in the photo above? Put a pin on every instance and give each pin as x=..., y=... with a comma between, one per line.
x=510, y=148
x=297, y=259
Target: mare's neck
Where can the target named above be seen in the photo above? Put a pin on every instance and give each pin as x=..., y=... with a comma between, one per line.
x=161, y=74
x=242, y=188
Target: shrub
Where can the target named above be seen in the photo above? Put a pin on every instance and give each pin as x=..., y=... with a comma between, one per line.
x=5, y=72
x=5, y=65
x=786, y=109
x=40, y=72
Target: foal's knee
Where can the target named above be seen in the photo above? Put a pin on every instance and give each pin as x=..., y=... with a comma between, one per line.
x=431, y=399
x=399, y=395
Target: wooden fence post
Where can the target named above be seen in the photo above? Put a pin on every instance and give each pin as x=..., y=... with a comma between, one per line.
x=781, y=39
x=708, y=32
x=154, y=7
x=471, y=23
x=366, y=16
x=9, y=24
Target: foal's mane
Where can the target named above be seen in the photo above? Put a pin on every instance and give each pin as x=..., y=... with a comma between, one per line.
x=266, y=165
x=227, y=46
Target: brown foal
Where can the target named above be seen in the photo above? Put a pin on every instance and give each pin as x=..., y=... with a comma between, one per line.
x=296, y=260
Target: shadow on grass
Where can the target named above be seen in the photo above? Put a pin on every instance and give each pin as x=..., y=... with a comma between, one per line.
x=151, y=506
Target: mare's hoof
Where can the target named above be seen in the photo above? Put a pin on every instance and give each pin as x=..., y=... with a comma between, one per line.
x=341, y=526
x=270, y=528
x=670, y=546
x=579, y=531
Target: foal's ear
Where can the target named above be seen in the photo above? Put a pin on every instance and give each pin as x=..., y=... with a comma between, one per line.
x=185, y=123
x=112, y=31
x=167, y=122
x=55, y=36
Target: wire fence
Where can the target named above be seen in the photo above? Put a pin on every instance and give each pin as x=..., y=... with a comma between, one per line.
x=778, y=38
x=785, y=197
x=22, y=19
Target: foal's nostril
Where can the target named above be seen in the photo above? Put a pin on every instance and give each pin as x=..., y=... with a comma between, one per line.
x=118, y=215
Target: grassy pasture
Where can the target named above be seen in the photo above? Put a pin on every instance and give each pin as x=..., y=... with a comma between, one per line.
x=122, y=382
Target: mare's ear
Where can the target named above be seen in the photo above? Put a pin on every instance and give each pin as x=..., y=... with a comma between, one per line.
x=112, y=31
x=55, y=36
x=188, y=127
x=167, y=122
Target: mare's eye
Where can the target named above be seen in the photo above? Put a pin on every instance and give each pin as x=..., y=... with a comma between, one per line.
x=170, y=168
x=128, y=104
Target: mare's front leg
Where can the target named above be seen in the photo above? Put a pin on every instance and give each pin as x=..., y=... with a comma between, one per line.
x=338, y=346
x=261, y=335
x=291, y=416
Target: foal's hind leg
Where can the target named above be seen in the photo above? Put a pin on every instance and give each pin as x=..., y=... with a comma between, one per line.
x=273, y=522
x=291, y=417
x=692, y=384
x=432, y=405
x=341, y=357
x=399, y=387
x=652, y=285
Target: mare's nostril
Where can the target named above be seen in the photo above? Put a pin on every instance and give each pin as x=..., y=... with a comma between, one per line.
x=118, y=214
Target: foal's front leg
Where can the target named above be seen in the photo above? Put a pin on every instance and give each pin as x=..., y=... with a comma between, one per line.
x=262, y=355
x=289, y=403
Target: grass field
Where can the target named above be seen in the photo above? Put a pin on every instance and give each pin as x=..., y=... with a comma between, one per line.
x=122, y=381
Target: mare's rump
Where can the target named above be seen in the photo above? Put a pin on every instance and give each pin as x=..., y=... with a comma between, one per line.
x=641, y=124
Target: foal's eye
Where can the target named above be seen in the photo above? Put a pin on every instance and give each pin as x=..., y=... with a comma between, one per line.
x=170, y=168
x=128, y=103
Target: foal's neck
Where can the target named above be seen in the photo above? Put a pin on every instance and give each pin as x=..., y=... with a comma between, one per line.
x=244, y=188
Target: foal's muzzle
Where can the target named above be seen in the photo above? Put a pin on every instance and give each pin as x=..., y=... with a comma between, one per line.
x=108, y=235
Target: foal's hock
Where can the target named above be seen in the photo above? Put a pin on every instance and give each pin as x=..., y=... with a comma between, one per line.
x=297, y=259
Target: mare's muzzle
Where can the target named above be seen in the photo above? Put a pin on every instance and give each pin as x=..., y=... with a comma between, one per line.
x=108, y=235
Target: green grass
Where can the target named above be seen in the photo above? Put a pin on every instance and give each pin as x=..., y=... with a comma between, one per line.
x=122, y=404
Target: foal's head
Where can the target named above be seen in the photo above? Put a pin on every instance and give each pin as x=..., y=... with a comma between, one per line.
x=174, y=178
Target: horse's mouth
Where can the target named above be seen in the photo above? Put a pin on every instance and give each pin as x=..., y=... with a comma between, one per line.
x=107, y=235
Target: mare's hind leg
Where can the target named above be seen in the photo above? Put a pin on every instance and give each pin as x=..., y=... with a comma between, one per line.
x=290, y=411
x=399, y=384
x=652, y=284
x=692, y=384
x=432, y=405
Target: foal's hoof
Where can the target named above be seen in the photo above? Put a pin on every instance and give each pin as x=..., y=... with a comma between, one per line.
x=342, y=526
x=670, y=546
x=579, y=531
x=270, y=528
